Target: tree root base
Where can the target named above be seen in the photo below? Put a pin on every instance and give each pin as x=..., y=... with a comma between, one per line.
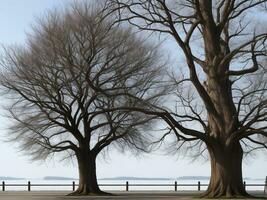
x=89, y=193
x=226, y=195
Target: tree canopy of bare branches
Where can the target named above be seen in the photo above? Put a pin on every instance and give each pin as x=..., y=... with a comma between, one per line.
x=221, y=100
x=64, y=85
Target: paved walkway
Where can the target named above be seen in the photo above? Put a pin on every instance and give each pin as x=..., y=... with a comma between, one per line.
x=118, y=196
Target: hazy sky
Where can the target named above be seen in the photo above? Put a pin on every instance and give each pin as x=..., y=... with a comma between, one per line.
x=16, y=17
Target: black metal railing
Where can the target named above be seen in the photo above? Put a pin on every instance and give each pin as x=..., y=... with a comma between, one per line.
x=126, y=185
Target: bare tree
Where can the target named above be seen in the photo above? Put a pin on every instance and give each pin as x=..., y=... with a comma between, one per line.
x=221, y=98
x=65, y=84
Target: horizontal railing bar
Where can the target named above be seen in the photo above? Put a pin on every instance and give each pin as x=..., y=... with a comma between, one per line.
x=120, y=185
x=134, y=184
x=150, y=184
x=38, y=184
x=165, y=184
x=255, y=184
x=16, y=184
x=111, y=184
x=33, y=184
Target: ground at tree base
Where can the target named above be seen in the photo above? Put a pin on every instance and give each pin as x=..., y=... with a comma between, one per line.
x=135, y=195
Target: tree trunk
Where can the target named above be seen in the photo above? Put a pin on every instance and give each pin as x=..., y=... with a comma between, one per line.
x=87, y=176
x=226, y=154
x=226, y=171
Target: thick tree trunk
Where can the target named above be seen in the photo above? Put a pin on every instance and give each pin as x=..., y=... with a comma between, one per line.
x=87, y=176
x=226, y=172
x=226, y=154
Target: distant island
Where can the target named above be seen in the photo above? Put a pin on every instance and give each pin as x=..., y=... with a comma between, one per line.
x=134, y=178
x=10, y=178
x=193, y=178
x=58, y=178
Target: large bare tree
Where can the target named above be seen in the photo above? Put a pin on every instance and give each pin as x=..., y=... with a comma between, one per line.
x=65, y=84
x=221, y=98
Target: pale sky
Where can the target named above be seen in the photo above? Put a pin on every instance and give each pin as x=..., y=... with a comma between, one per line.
x=16, y=17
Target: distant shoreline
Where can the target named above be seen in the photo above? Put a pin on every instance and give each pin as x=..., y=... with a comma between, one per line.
x=58, y=178
x=10, y=178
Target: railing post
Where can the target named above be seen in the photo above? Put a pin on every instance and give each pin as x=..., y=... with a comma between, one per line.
x=175, y=186
x=29, y=186
x=245, y=185
x=3, y=186
x=73, y=185
x=127, y=186
x=265, y=187
x=198, y=185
